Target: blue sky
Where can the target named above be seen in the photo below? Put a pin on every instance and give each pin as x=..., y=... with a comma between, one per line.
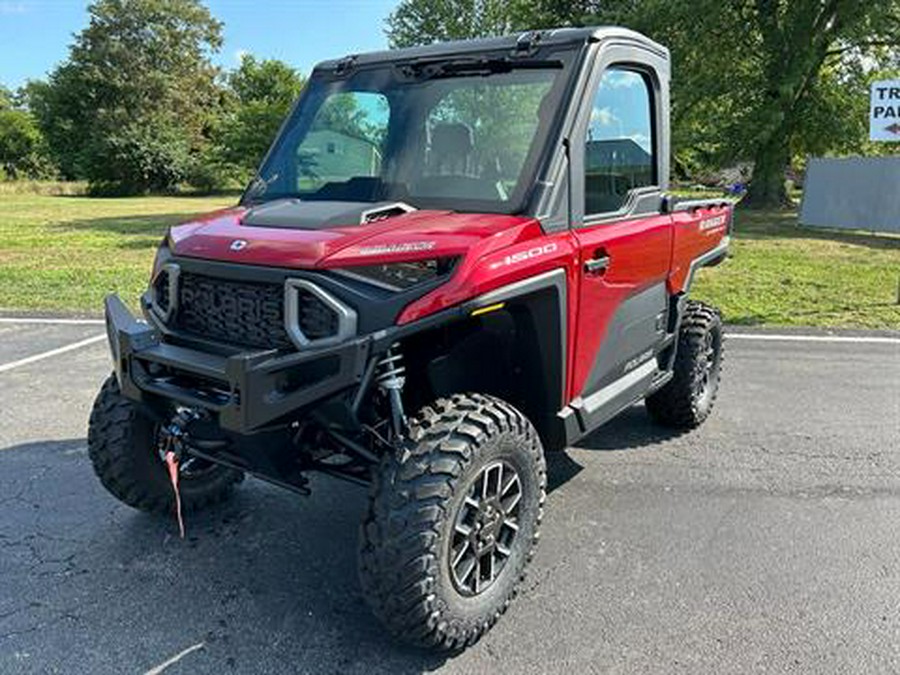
x=622, y=109
x=35, y=34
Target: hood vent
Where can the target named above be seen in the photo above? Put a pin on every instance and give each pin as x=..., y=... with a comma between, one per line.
x=384, y=212
x=297, y=214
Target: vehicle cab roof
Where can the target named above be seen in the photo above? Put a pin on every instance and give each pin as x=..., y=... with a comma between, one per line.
x=550, y=36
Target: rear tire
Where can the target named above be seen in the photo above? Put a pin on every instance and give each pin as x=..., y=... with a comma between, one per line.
x=453, y=521
x=688, y=398
x=122, y=448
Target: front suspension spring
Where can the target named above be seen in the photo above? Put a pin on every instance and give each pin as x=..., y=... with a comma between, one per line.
x=391, y=379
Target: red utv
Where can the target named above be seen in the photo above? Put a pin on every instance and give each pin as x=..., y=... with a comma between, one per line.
x=453, y=259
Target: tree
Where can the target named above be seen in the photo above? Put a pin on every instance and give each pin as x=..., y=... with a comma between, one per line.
x=416, y=22
x=423, y=21
x=756, y=80
x=22, y=147
x=781, y=85
x=262, y=93
x=6, y=98
x=131, y=108
x=798, y=41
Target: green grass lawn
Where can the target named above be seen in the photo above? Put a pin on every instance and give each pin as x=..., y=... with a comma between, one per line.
x=65, y=253
x=780, y=274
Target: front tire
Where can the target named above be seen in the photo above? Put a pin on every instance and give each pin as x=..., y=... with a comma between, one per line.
x=688, y=398
x=122, y=447
x=453, y=521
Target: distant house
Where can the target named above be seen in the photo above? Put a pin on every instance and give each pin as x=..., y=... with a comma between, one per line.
x=331, y=155
x=612, y=168
x=620, y=155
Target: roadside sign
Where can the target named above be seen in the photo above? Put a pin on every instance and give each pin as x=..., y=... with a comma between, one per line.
x=884, y=111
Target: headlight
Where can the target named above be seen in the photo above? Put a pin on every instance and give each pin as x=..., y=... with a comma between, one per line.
x=404, y=275
x=163, y=253
x=163, y=281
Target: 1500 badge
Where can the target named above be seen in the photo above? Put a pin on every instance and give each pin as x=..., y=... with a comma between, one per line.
x=522, y=256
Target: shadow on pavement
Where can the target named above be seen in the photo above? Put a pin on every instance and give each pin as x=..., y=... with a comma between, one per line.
x=267, y=582
x=632, y=429
x=560, y=469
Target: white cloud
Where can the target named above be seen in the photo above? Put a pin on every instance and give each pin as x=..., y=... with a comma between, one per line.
x=620, y=79
x=603, y=117
x=7, y=7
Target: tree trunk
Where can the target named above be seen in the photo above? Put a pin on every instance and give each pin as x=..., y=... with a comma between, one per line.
x=795, y=45
x=767, y=188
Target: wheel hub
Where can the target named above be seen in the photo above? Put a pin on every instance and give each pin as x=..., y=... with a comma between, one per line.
x=485, y=528
x=706, y=364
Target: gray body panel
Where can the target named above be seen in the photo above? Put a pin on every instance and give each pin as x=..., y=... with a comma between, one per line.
x=636, y=330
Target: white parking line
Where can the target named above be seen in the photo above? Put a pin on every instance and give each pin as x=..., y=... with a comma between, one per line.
x=56, y=322
x=872, y=339
x=53, y=352
x=156, y=670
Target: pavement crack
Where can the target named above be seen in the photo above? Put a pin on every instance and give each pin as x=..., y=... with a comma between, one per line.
x=869, y=457
x=58, y=617
x=13, y=612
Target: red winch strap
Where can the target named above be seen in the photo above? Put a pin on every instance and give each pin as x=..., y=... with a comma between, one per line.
x=172, y=463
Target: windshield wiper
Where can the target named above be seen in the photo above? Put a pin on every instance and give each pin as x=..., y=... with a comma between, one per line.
x=256, y=188
x=434, y=69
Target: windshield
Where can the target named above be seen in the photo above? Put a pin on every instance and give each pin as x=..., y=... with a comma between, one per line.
x=455, y=134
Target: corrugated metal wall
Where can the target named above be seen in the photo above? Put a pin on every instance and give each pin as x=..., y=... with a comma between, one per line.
x=856, y=193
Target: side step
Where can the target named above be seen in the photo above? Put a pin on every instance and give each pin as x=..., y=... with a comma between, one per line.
x=603, y=405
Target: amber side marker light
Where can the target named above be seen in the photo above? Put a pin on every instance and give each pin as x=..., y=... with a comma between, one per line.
x=489, y=308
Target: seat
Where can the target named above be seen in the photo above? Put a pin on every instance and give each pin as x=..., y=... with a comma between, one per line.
x=450, y=167
x=450, y=149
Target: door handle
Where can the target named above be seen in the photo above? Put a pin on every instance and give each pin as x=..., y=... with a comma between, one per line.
x=597, y=265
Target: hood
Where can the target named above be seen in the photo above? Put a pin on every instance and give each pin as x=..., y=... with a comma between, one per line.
x=308, y=234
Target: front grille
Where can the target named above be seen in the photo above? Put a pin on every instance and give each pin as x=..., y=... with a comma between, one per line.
x=250, y=314
x=239, y=312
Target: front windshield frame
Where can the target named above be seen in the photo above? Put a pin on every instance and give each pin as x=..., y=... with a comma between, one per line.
x=381, y=76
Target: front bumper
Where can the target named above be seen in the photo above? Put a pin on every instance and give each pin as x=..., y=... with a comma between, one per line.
x=245, y=391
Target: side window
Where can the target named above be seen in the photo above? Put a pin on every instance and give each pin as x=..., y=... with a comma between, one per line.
x=345, y=141
x=619, y=148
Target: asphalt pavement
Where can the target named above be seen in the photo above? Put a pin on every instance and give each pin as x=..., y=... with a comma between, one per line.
x=766, y=541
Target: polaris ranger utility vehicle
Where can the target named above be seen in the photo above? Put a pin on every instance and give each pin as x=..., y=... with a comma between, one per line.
x=453, y=259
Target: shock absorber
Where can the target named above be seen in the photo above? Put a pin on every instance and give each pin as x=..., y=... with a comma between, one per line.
x=391, y=378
